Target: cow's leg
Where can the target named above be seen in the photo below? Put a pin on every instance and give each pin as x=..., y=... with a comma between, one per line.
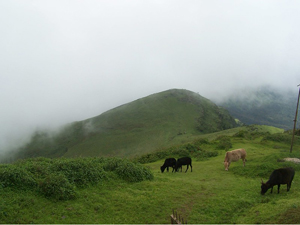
x=187, y=167
x=278, y=188
x=167, y=169
x=244, y=161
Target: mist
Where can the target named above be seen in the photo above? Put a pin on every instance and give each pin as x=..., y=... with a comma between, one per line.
x=65, y=61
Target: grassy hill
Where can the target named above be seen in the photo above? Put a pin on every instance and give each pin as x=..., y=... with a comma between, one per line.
x=109, y=190
x=157, y=121
x=263, y=106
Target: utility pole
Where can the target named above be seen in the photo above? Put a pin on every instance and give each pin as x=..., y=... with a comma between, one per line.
x=295, y=121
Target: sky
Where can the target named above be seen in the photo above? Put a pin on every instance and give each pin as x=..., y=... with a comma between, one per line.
x=68, y=60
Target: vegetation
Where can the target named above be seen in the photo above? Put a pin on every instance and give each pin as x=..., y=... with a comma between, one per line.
x=114, y=190
x=59, y=178
x=76, y=175
x=263, y=106
x=158, y=121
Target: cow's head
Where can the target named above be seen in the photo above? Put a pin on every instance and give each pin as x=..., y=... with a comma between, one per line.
x=226, y=165
x=162, y=169
x=264, y=187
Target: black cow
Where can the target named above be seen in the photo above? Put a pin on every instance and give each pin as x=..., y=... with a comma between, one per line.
x=183, y=161
x=279, y=176
x=170, y=162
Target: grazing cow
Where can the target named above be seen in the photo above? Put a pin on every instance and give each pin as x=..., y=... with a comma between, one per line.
x=279, y=176
x=183, y=161
x=233, y=156
x=170, y=162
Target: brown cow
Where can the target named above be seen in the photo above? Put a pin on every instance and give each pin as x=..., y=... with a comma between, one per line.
x=233, y=156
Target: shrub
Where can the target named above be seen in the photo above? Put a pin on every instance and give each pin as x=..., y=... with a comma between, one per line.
x=39, y=167
x=147, y=158
x=224, y=142
x=240, y=134
x=133, y=172
x=162, y=154
x=58, y=187
x=111, y=164
x=201, y=141
x=191, y=148
x=183, y=153
x=16, y=177
x=80, y=171
x=282, y=138
x=202, y=155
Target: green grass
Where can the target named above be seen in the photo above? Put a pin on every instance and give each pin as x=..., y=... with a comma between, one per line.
x=209, y=194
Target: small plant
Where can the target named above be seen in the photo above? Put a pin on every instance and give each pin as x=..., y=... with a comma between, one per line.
x=240, y=134
x=80, y=171
x=58, y=187
x=201, y=141
x=133, y=172
x=224, y=142
x=16, y=177
x=202, y=155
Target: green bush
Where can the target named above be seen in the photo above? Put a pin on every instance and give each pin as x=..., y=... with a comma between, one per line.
x=80, y=171
x=223, y=142
x=148, y=158
x=282, y=138
x=201, y=141
x=202, y=155
x=186, y=150
x=58, y=187
x=240, y=134
x=39, y=167
x=111, y=164
x=133, y=172
x=58, y=178
x=16, y=177
x=191, y=148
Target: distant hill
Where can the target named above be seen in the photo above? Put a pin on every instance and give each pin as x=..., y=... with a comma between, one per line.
x=144, y=125
x=263, y=106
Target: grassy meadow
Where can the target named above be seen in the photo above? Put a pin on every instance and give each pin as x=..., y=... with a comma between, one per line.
x=124, y=191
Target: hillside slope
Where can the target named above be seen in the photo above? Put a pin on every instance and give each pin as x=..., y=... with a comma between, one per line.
x=157, y=121
x=263, y=106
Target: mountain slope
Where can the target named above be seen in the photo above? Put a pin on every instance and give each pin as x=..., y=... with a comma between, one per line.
x=263, y=106
x=157, y=121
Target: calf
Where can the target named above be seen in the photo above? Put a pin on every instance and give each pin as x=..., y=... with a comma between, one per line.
x=233, y=156
x=183, y=161
x=279, y=176
x=170, y=162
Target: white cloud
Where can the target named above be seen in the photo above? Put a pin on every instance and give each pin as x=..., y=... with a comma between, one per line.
x=62, y=61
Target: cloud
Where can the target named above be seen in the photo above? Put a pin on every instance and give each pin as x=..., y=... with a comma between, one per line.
x=63, y=61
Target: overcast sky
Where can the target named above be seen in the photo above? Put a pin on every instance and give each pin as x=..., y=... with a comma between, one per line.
x=66, y=60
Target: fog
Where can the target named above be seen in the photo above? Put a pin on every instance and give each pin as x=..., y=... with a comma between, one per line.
x=67, y=60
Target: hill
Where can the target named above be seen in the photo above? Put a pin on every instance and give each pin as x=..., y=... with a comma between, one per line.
x=144, y=125
x=263, y=106
x=91, y=190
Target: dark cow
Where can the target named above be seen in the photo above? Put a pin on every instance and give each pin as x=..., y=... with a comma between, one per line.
x=170, y=162
x=183, y=161
x=279, y=176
